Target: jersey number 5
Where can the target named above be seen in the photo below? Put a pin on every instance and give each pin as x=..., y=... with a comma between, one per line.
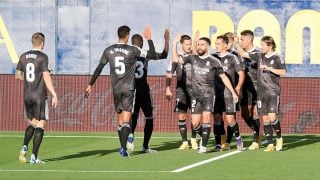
x=30, y=76
x=119, y=65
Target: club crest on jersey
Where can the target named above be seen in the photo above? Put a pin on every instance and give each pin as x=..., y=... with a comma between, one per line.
x=208, y=63
x=226, y=61
x=272, y=61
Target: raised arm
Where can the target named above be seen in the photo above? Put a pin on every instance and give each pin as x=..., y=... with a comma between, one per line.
x=49, y=85
x=151, y=54
x=165, y=51
x=195, y=42
x=240, y=50
x=175, y=57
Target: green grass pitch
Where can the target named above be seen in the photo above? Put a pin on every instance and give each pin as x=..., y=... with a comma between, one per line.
x=95, y=156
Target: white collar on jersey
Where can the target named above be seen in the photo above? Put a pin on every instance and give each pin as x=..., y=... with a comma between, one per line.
x=33, y=49
x=252, y=49
x=223, y=55
x=204, y=56
x=272, y=54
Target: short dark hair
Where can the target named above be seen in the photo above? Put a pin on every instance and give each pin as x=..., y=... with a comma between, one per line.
x=37, y=39
x=246, y=32
x=223, y=38
x=228, y=34
x=269, y=41
x=137, y=40
x=123, y=31
x=184, y=37
x=206, y=39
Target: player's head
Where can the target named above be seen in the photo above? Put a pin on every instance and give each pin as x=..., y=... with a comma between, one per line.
x=222, y=44
x=137, y=40
x=230, y=37
x=203, y=46
x=186, y=43
x=246, y=39
x=38, y=40
x=267, y=44
x=123, y=33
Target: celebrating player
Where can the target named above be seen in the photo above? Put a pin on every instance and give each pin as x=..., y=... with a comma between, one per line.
x=249, y=91
x=33, y=69
x=224, y=101
x=143, y=95
x=203, y=68
x=122, y=58
x=271, y=68
x=183, y=92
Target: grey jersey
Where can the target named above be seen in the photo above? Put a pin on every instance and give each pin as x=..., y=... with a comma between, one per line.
x=203, y=70
x=33, y=63
x=183, y=72
x=251, y=66
x=268, y=82
x=122, y=59
x=231, y=66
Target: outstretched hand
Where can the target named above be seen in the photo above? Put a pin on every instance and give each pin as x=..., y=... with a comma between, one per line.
x=166, y=35
x=147, y=33
x=177, y=38
x=88, y=91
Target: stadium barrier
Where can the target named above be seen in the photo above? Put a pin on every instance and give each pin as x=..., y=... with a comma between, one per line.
x=299, y=106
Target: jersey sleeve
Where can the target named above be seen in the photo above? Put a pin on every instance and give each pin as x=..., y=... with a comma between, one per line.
x=186, y=58
x=45, y=64
x=237, y=64
x=19, y=65
x=278, y=63
x=172, y=67
x=104, y=57
x=254, y=55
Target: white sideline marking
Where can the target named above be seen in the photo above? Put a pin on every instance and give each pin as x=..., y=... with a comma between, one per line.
x=75, y=171
x=205, y=161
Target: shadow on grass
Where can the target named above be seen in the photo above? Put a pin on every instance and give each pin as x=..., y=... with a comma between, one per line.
x=83, y=154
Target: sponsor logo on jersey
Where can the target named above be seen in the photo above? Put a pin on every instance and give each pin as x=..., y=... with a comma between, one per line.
x=208, y=63
x=226, y=61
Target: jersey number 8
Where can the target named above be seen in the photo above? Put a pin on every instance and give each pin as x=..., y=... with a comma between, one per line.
x=30, y=74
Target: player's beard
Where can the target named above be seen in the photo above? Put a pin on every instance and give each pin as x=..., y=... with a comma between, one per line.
x=201, y=53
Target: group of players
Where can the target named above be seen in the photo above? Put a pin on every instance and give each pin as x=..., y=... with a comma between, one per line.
x=206, y=84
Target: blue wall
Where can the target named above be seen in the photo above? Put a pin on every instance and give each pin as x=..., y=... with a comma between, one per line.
x=77, y=31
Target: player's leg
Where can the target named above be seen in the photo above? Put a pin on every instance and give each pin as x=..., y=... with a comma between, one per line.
x=217, y=130
x=206, y=129
x=273, y=111
x=41, y=113
x=138, y=100
x=126, y=104
x=29, y=132
x=147, y=109
x=230, y=118
x=181, y=109
x=262, y=106
x=193, y=140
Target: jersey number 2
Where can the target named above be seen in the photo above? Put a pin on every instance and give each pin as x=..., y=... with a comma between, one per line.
x=119, y=65
x=30, y=75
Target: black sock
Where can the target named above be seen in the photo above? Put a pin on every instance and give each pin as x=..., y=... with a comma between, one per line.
x=229, y=134
x=198, y=129
x=193, y=132
x=134, y=122
x=125, y=131
x=28, y=135
x=217, y=132
x=249, y=123
x=235, y=129
x=277, y=128
x=119, y=132
x=222, y=130
x=148, y=128
x=256, y=131
x=183, y=129
x=37, y=139
x=206, y=128
x=268, y=132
